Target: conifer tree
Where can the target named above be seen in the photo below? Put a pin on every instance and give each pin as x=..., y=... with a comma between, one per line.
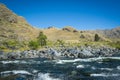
x=97, y=38
x=42, y=39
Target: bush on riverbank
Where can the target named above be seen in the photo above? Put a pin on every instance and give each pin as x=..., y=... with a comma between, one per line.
x=9, y=45
x=33, y=45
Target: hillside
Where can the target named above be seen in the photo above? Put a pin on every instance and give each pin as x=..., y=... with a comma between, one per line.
x=113, y=34
x=14, y=27
x=70, y=34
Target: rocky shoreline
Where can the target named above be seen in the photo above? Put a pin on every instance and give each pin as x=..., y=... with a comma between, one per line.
x=54, y=53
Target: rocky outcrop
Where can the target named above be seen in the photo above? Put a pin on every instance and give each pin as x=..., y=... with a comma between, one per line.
x=69, y=29
x=83, y=52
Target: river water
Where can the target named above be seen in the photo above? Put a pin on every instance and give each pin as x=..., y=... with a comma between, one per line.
x=100, y=68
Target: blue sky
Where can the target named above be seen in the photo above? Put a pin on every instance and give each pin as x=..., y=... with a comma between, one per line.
x=81, y=14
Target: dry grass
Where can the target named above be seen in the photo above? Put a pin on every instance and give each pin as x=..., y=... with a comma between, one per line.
x=54, y=34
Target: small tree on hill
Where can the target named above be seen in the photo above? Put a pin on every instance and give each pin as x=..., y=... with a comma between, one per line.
x=97, y=38
x=42, y=39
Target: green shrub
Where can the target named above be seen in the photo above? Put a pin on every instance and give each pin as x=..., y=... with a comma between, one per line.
x=33, y=45
x=2, y=47
x=60, y=42
x=11, y=44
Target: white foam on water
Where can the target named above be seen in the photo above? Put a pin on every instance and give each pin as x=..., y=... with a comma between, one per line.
x=63, y=61
x=21, y=72
x=118, y=58
x=104, y=75
x=23, y=62
x=16, y=72
x=118, y=67
x=93, y=67
x=86, y=60
x=45, y=76
x=5, y=72
x=15, y=62
x=68, y=61
x=100, y=62
x=34, y=71
x=20, y=62
x=74, y=63
x=108, y=69
x=7, y=62
x=80, y=66
x=74, y=60
x=60, y=62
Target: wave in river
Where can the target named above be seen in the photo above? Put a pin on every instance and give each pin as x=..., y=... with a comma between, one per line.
x=45, y=76
x=104, y=75
x=20, y=62
x=40, y=76
x=80, y=66
x=59, y=61
x=7, y=73
x=85, y=60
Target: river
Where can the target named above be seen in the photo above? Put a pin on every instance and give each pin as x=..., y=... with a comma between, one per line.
x=99, y=68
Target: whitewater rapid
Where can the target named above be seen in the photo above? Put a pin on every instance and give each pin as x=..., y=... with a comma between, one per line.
x=99, y=68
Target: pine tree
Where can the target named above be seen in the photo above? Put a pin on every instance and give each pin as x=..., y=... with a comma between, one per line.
x=42, y=39
x=97, y=38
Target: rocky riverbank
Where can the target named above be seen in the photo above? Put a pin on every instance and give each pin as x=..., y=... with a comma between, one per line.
x=55, y=53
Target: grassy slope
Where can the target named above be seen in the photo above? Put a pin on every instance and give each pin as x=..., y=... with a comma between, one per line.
x=14, y=30
x=14, y=27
